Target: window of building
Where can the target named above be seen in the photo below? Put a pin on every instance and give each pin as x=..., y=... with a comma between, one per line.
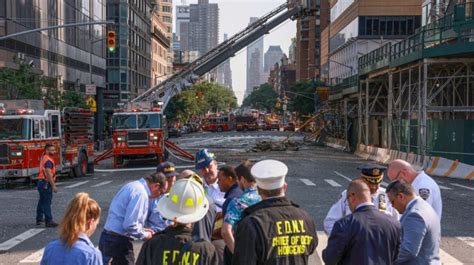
x=167, y=9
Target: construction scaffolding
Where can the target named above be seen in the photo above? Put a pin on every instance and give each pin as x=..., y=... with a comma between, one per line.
x=416, y=96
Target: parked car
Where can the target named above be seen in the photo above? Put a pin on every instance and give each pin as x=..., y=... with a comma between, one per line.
x=184, y=129
x=174, y=132
x=290, y=127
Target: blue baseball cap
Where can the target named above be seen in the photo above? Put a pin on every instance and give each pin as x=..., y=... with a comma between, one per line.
x=204, y=159
x=167, y=168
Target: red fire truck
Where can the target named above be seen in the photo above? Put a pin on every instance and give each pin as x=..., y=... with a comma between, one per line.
x=26, y=127
x=217, y=124
x=138, y=133
x=246, y=123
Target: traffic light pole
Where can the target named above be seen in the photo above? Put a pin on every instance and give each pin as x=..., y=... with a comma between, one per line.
x=99, y=115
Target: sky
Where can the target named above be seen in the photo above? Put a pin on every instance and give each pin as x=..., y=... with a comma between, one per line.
x=234, y=15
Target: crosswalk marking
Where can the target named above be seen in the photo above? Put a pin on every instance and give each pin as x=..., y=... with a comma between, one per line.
x=77, y=184
x=462, y=186
x=342, y=176
x=448, y=259
x=34, y=258
x=20, y=238
x=101, y=184
x=308, y=182
x=467, y=240
x=322, y=243
x=332, y=183
x=443, y=187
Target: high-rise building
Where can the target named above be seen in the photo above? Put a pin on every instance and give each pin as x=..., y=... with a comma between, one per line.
x=129, y=66
x=64, y=55
x=292, y=52
x=203, y=29
x=254, y=63
x=161, y=50
x=224, y=73
x=308, y=41
x=361, y=26
x=182, y=15
x=272, y=56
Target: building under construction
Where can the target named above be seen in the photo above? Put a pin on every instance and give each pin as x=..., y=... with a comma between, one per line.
x=415, y=95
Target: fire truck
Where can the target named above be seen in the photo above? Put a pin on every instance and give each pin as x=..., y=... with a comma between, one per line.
x=26, y=127
x=246, y=123
x=217, y=124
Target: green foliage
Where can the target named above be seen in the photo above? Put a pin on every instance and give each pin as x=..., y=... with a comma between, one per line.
x=56, y=99
x=20, y=83
x=263, y=98
x=302, y=94
x=199, y=99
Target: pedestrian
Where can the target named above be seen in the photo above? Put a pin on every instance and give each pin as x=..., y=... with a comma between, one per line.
x=127, y=215
x=155, y=221
x=367, y=236
x=203, y=228
x=78, y=224
x=46, y=185
x=275, y=230
x=206, y=164
x=185, y=204
x=421, y=228
x=237, y=205
x=424, y=185
x=372, y=175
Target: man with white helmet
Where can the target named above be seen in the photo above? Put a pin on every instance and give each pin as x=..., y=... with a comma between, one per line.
x=275, y=230
x=184, y=205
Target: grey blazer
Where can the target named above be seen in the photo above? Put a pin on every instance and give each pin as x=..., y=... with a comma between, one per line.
x=421, y=235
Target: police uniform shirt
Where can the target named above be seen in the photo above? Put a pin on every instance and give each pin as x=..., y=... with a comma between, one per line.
x=274, y=231
x=341, y=208
x=427, y=189
x=169, y=248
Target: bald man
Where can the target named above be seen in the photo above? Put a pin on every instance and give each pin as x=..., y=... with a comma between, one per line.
x=424, y=185
x=367, y=236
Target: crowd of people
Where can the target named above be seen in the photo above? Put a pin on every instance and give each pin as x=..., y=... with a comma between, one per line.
x=241, y=215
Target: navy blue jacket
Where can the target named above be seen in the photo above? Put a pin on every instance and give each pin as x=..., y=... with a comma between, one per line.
x=367, y=237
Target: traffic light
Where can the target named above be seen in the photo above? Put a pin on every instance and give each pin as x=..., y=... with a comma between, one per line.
x=111, y=40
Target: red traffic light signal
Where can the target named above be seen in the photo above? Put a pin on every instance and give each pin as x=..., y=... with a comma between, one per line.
x=111, y=40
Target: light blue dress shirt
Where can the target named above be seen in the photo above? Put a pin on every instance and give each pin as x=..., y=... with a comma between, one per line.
x=155, y=221
x=129, y=210
x=82, y=252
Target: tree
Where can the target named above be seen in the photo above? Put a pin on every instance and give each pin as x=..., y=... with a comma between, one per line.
x=262, y=98
x=303, y=97
x=200, y=99
x=20, y=83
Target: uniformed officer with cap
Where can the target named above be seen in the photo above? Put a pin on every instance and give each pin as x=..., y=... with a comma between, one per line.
x=275, y=230
x=206, y=165
x=372, y=174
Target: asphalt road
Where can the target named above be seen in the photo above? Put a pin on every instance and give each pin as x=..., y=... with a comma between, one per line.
x=317, y=175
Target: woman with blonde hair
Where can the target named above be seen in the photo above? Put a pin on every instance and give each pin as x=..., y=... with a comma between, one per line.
x=78, y=224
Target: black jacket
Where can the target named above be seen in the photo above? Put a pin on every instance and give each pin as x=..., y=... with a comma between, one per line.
x=166, y=247
x=367, y=236
x=274, y=231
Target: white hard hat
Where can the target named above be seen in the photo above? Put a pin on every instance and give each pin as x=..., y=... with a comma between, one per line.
x=186, y=203
x=269, y=174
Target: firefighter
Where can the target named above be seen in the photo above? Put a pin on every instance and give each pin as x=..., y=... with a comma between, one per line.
x=275, y=230
x=46, y=186
x=185, y=204
x=372, y=175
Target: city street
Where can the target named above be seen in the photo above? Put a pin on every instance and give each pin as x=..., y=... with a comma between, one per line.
x=317, y=175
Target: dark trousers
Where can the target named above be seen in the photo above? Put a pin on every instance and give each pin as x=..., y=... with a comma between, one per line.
x=43, y=210
x=227, y=256
x=117, y=248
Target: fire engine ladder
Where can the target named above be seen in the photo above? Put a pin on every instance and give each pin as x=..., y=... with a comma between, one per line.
x=178, y=151
x=180, y=81
x=105, y=155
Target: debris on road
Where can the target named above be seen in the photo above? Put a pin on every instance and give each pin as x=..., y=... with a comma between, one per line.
x=264, y=146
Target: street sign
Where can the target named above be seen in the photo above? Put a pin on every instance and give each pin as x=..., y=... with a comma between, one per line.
x=92, y=104
x=91, y=90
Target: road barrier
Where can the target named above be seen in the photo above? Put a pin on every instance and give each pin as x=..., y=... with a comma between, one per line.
x=435, y=166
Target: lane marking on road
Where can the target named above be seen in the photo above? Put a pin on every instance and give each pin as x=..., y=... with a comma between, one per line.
x=76, y=185
x=462, y=186
x=34, y=258
x=342, y=176
x=322, y=243
x=60, y=183
x=102, y=184
x=443, y=187
x=467, y=240
x=148, y=168
x=20, y=238
x=448, y=259
x=308, y=182
x=332, y=183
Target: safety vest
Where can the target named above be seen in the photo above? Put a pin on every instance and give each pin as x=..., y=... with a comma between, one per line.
x=42, y=174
